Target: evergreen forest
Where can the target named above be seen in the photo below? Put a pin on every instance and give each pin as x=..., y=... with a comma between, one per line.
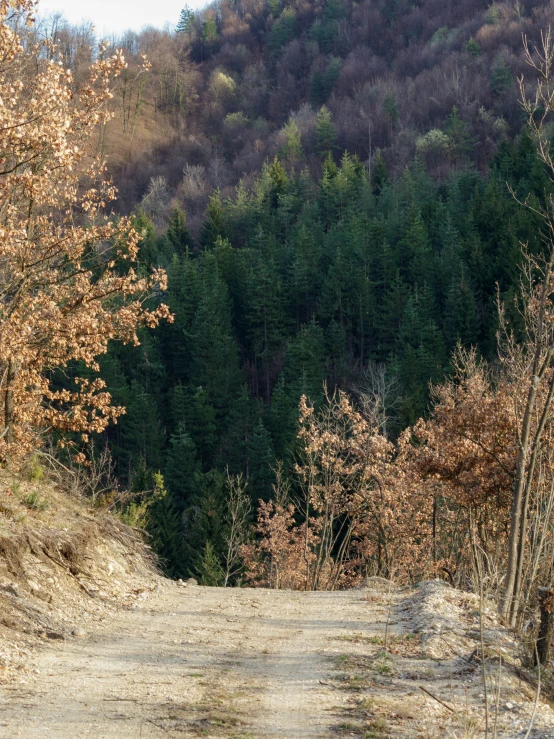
x=297, y=285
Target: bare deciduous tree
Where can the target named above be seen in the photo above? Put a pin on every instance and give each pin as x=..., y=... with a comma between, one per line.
x=535, y=413
x=237, y=518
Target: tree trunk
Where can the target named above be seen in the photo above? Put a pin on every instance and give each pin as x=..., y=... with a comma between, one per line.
x=546, y=601
x=8, y=401
x=530, y=473
x=507, y=602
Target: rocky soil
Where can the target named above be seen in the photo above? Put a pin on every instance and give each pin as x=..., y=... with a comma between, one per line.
x=177, y=660
x=94, y=643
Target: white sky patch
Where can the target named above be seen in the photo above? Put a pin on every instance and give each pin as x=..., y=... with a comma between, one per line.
x=115, y=16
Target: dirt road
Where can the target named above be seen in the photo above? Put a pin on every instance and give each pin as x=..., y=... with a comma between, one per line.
x=239, y=663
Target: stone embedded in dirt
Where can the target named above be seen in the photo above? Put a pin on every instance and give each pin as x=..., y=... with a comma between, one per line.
x=46, y=597
x=191, y=581
x=55, y=635
x=509, y=706
x=114, y=566
x=10, y=587
x=33, y=586
x=79, y=632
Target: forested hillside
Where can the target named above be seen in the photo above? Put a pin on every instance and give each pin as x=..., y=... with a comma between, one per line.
x=335, y=192
x=245, y=78
x=296, y=283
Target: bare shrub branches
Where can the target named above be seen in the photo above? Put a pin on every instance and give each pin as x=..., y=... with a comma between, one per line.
x=359, y=512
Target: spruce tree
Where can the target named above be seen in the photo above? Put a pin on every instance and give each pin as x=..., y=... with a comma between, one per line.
x=390, y=109
x=325, y=133
x=201, y=419
x=204, y=519
x=281, y=417
x=379, y=174
x=261, y=463
x=458, y=133
x=209, y=568
x=214, y=360
x=177, y=232
x=215, y=223
x=240, y=424
x=305, y=363
x=182, y=471
x=185, y=23
x=149, y=251
x=141, y=429
x=165, y=529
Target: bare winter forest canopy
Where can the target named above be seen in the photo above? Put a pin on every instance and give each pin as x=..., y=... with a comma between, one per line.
x=347, y=210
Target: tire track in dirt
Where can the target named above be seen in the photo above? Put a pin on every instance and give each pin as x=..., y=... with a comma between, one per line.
x=249, y=664
x=189, y=662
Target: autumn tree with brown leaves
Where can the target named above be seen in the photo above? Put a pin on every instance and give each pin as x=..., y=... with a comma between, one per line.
x=67, y=282
x=360, y=508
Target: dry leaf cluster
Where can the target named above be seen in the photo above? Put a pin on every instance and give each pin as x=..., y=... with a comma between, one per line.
x=67, y=281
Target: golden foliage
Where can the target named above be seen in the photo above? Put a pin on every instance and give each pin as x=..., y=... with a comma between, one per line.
x=67, y=282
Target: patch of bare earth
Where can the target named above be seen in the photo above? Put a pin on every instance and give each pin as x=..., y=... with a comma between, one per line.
x=94, y=643
x=185, y=661
x=420, y=673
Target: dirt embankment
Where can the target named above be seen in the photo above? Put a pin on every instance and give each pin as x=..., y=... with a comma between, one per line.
x=94, y=643
x=63, y=565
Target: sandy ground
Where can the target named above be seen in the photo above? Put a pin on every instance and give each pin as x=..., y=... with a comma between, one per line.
x=193, y=661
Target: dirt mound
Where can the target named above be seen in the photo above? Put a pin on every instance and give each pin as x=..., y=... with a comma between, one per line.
x=445, y=617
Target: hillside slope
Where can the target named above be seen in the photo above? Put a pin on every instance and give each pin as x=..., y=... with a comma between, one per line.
x=187, y=661
x=248, y=76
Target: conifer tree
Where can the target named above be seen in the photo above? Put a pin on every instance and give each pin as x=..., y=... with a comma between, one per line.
x=209, y=568
x=458, y=133
x=204, y=519
x=241, y=421
x=281, y=421
x=305, y=363
x=182, y=468
x=325, y=131
x=214, y=361
x=165, y=529
x=261, y=463
x=379, y=174
x=214, y=225
x=390, y=108
x=291, y=150
x=141, y=431
x=200, y=418
x=148, y=253
x=177, y=232
x=185, y=23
